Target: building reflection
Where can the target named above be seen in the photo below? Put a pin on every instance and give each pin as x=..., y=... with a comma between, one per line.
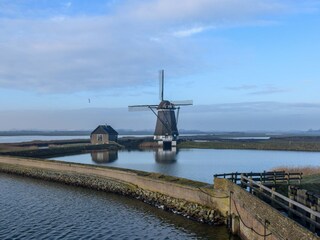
x=166, y=156
x=104, y=156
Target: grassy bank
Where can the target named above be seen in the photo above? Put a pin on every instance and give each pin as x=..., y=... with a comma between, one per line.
x=310, y=180
x=272, y=144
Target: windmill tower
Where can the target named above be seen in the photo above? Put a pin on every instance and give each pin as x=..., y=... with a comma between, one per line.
x=166, y=131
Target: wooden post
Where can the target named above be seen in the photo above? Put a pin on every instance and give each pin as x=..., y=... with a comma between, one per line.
x=302, y=198
x=235, y=225
x=236, y=178
x=313, y=217
x=250, y=190
x=291, y=196
x=300, y=177
x=272, y=195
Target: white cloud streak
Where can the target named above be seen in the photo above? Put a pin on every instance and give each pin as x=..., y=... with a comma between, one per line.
x=62, y=53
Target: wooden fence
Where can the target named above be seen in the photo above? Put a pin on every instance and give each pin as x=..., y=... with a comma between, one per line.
x=307, y=216
x=266, y=178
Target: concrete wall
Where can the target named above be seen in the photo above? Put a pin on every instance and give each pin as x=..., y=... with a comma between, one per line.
x=197, y=200
x=255, y=220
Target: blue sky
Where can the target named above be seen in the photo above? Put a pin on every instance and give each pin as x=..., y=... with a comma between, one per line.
x=247, y=64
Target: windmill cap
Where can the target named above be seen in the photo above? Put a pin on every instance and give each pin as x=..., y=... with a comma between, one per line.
x=165, y=104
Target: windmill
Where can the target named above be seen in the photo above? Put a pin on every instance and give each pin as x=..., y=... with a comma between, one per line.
x=166, y=131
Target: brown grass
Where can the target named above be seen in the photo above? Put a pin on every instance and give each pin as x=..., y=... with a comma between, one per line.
x=306, y=170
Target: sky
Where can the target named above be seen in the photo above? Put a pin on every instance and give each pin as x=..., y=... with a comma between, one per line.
x=248, y=65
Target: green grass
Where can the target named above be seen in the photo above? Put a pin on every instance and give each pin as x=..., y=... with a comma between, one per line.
x=276, y=144
x=311, y=183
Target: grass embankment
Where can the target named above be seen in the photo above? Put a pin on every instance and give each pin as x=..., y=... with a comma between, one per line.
x=55, y=150
x=310, y=180
x=272, y=144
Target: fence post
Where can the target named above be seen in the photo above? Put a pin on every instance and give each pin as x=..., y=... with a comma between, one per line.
x=243, y=185
x=250, y=190
x=313, y=217
x=272, y=196
x=235, y=225
x=300, y=177
x=291, y=196
x=236, y=178
x=302, y=198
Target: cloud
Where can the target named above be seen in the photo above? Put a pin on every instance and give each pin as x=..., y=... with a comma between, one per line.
x=268, y=90
x=189, y=32
x=267, y=116
x=68, y=4
x=45, y=48
x=259, y=90
x=242, y=87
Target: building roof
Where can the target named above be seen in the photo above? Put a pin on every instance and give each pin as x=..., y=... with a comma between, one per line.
x=105, y=129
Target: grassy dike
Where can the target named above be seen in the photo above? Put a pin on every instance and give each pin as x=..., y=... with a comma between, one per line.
x=271, y=144
x=192, y=199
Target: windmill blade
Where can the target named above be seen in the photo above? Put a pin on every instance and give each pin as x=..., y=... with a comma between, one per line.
x=137, y=108
x=182, y=103
x=161, y=84
x=178, y=111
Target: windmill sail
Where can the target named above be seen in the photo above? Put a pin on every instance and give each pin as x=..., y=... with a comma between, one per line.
x=161, y=84
x=182, y=102
x=136, y=108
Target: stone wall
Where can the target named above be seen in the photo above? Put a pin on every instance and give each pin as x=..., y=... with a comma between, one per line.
x=255, y=220
x=195, y=200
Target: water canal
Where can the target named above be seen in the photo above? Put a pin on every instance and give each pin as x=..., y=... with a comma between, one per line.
x=36, y=209
x=197, y=164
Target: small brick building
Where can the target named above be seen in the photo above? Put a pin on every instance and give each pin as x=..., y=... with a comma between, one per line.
x=103, y=134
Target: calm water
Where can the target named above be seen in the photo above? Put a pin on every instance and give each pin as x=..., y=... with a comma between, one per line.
x=198, y=164
x=35, y=209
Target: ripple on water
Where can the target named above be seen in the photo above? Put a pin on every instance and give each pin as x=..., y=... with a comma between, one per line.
x=35, y=209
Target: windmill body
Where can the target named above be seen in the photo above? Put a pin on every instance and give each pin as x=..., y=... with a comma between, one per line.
x=167, y=112
x=166, y=126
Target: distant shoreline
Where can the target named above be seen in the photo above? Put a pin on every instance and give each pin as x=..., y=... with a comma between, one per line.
x=183, y=133
x=291, y=143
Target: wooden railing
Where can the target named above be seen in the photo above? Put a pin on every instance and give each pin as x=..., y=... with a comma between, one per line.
x=266, y=178
x=294, y=208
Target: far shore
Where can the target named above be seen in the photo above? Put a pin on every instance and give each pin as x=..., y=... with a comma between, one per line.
x=289, y=143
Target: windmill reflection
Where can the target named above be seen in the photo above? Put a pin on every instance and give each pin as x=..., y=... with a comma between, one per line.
x=166, y=156
x=104, y=156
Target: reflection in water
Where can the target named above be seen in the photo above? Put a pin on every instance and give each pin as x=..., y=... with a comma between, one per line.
x=160, y=156
x=104, y=156
x=166, y=156
x=201, y=164
x=35, y=209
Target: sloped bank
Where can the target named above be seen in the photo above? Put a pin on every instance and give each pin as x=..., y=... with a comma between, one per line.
x=192, y=199
x=60, y=150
